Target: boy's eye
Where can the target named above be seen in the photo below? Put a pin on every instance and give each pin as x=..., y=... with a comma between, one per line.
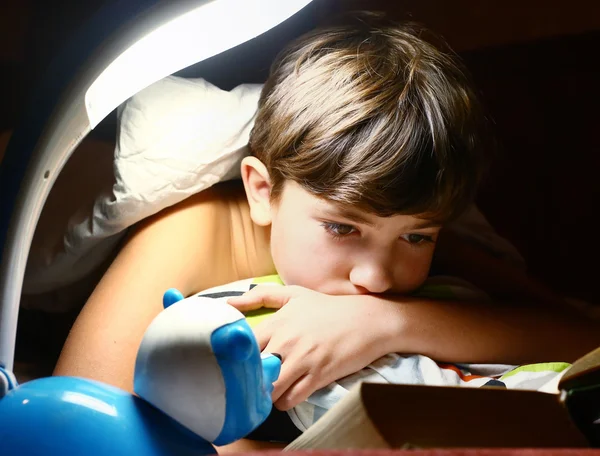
x=417, y=238
x=338, y=229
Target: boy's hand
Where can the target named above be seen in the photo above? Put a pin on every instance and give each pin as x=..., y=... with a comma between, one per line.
x=320, y=338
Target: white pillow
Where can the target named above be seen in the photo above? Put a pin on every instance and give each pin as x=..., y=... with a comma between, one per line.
x=176, y=138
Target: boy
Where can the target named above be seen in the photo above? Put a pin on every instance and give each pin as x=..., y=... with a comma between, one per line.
x=368, y=140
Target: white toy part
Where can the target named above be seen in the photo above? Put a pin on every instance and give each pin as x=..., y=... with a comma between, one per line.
x=184, y=362
x=176, y=357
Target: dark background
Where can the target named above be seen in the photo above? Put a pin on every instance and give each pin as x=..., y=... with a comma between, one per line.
x=534, y=61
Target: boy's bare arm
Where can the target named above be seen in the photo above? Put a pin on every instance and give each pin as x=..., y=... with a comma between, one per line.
x=158, y=255
x=190, y=246
x=512, y=333
x=322, y=338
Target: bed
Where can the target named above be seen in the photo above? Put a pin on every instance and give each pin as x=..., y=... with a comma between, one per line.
x=42, y=282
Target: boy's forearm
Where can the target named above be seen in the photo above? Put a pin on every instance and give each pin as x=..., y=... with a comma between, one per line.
x=483, y=333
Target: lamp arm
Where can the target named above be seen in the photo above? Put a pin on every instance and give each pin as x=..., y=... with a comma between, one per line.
x=52, y=126
x=87, y=81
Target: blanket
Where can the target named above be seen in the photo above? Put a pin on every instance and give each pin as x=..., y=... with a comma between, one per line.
x=412, y=369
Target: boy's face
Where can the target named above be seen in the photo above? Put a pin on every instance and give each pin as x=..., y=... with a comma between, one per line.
x=320, y=246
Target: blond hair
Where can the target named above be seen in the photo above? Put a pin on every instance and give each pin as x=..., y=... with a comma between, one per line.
x=371, y=114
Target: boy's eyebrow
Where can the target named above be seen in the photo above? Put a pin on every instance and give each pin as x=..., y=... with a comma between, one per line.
x=422, y=224
x=357, y=217
x=348, y=214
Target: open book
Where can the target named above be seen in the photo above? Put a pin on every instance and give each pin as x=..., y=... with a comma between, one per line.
x=376, y=415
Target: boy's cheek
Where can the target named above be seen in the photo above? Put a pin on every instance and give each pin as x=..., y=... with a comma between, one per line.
x=415, y=276
x=312, y=272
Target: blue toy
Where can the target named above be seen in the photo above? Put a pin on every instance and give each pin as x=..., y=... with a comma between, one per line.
x=199, y=376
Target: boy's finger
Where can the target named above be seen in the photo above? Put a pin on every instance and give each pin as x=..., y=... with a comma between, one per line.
x=296, y=394
x=244, y=304
x=291, y=371
x=262, y=341
x=266, y=296
x=263, y=332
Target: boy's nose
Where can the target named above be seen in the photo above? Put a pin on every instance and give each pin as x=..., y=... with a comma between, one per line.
x=371, y=279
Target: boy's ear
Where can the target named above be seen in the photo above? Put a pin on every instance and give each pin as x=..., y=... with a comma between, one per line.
x=258, y=190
